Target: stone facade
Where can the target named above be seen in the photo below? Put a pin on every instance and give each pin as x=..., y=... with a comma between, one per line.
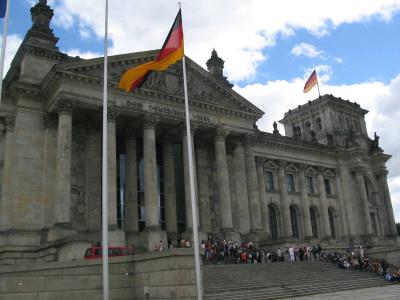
x=324, y=181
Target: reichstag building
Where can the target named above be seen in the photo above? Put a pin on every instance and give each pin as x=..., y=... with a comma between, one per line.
x=321, y=181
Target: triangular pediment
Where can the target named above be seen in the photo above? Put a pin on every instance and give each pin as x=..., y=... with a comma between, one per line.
x=202, y=86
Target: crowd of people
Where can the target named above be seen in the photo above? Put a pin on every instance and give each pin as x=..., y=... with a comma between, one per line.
x=223, y=251
x=357, y=261
x=218, y=251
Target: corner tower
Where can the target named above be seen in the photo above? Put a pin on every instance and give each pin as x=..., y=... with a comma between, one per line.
x=328, y=120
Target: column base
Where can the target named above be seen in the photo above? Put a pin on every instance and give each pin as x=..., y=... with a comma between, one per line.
x=60, y=231
x=230, y=235
x=153, y=237
x=116, y=238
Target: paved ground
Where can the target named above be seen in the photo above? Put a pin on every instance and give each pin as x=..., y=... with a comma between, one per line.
x=389, y=292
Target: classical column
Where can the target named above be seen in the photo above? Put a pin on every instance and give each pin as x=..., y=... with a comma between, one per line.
x=263, y=196
x=186, y=173
x=323, y=206
x=112, y=168
x=93, y=174
x=152, y=212
x=131, y=180
x=62, y=208
x=387, y=202
x=204, y=192
x=241, y=188
x=359, y=173
x=7, y=181
x=305, y=203
x=344, y=183
x=252, y=187
x=285, y=210
x=169, y=185
x=224, y=196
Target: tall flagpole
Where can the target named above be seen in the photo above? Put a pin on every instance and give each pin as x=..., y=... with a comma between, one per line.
x=319, y=94
x=192, y=190
x=104, y=167
x=3, y=46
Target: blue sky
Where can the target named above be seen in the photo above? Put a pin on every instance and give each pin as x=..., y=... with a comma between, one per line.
x=269, y=48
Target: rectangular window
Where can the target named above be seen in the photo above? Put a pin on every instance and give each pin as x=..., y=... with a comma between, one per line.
x=328, y=186
x=310, y=185
x=290, y=182
x=269, y=178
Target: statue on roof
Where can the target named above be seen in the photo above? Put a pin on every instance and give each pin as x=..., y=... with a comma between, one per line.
x=374, y=144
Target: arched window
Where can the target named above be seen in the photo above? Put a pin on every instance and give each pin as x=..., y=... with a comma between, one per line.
x=313, y=217
x=273, y=224
x=332, y=223
x=295, y=222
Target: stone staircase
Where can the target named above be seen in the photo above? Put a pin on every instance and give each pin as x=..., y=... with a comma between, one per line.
x=282, y=280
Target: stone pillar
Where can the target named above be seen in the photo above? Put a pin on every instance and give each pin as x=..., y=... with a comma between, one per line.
x=62, y=208
x=285, y=210
x=131, y=180
x=224, y=196
x=169, y=186
x=152, y=211
x=323, y=207
x=305, y=204
x=94, y=174
x=359, y=173
x=387, y=202
x=188, y=203
x=252, y=187
x=263, y=196
x=7, y=178
x=204, y=192
x=241, y=189
x=344, y=183
x=112, y=168
x=343, y=215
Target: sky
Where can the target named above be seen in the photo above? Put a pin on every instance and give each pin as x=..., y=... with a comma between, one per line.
x=269, y=48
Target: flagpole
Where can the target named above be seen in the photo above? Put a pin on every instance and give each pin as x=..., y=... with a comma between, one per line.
x=3, y=46
x=319, y=94
x=191, y=181
x=104, y=167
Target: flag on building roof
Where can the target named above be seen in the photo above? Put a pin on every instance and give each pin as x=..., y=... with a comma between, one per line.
x=170, y=53
x=311, y=81
x=3, y=5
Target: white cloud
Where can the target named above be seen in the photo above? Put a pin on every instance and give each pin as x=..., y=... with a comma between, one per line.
x=304, y=49
x=338, y=60
x=239, y=30
x=85, y=54
x=12, y=45
x=277, y=97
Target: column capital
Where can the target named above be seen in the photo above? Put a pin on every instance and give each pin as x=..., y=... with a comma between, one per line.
x=150, y=121
x=359, y=170
x=302, y=167
x=260, y=160
x=320, y=170
x=50, y=121
x=249, y=139
x=221, y=133
x=64, y=107
x=382, y=172
x=282, y=163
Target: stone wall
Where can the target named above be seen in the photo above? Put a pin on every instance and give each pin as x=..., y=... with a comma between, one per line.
x=158, y=275
x=390, y=253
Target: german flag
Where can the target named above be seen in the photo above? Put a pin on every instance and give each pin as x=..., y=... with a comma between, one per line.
x=170, y=53
x=311, y=81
